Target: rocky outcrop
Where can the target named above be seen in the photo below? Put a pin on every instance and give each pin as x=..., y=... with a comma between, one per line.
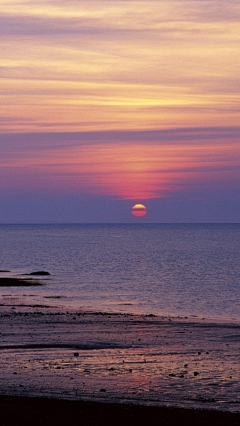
x=17, y=282
x=39, y=273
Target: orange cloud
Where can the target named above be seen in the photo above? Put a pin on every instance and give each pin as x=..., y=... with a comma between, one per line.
x=118, y=65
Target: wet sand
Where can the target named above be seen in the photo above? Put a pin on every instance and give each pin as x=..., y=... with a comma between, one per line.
x=130, y=364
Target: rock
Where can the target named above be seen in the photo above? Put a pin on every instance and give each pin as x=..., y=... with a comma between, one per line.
x=76, y=354
x=16, y=282
x=196, y=373
x=4, y=270
x=39, y=273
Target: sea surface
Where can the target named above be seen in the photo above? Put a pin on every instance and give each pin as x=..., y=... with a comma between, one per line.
x=188, y=270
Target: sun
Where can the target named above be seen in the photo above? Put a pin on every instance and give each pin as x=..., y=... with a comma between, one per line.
x=139, y=210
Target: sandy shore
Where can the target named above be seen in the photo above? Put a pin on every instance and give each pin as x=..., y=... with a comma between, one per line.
x=146, y=361
x=49, y=412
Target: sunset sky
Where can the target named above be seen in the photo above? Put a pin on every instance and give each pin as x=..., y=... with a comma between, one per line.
x=104, y=104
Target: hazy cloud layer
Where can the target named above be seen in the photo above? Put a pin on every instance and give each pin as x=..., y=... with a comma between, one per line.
x=126, y=165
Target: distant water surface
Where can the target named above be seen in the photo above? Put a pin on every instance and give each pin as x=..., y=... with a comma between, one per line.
x=163, y=269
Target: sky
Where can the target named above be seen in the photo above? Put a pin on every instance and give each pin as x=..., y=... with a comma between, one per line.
x=104, y=104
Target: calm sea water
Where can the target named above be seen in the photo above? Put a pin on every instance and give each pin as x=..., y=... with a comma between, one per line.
x=186, y=270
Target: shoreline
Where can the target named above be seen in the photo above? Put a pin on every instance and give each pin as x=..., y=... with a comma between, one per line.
x=39, y=411
x=16, y=301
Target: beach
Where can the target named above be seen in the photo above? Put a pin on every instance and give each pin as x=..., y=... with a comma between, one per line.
x=131, y=362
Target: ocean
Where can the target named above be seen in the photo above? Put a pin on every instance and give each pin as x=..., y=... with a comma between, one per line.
x=186, y=270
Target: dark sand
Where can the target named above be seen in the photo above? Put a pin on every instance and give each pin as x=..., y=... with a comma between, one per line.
x=51, y=412
x=99, y=368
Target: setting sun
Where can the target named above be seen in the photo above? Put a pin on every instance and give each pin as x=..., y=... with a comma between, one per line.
x=139, y=210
